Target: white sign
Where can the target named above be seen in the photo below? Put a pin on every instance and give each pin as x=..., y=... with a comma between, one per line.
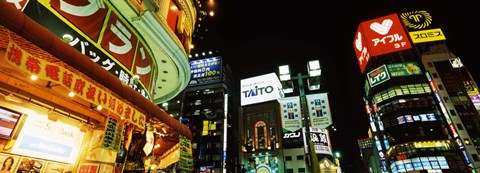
x=260, y=89
x=319, y=110
x=291, y=116
x=42, y=138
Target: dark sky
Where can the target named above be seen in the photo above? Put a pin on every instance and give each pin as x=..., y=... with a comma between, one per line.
x=255, y=37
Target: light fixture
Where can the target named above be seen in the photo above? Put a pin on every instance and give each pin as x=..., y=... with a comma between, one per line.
x=203, y=53
x=314, y=68
x=313, y=83
x=34, y=77
x=210, y=52
x=284, y=72
x=12, y=98
x=99, y=107
x=211, y=13
x=71, y=94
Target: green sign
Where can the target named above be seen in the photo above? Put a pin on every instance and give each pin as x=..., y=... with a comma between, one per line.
x=378, y=76
x=404, y=69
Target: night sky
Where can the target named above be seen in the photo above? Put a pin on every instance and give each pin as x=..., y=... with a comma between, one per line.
x=255, y=37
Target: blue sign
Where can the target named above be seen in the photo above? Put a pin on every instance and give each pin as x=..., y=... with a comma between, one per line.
x=206, y=71
x=45, y=146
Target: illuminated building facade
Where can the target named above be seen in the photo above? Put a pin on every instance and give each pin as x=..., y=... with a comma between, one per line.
x=205, y=106
x=419, y=99
x=100, y=67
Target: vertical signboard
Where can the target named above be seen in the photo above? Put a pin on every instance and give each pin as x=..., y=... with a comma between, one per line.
x=290, y=110
x=260, y=89
x=319, y=110
x=385, y=35
x=321, y=141
x=361, y=49
x=291, y=121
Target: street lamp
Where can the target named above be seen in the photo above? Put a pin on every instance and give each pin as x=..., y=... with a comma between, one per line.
x=313, y=83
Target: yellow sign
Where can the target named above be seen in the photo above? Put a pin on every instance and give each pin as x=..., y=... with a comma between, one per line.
x=427, y=35
x=74, y=82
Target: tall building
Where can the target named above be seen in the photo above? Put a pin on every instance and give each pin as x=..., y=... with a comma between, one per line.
x=205, y=106
x=80, y=81
x=272, y=126
x=420, y=99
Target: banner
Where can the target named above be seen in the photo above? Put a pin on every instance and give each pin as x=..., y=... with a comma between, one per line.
x=291, y=116
x=321, y=141
x=186, y=157
x=74, y=82
x=319, y=110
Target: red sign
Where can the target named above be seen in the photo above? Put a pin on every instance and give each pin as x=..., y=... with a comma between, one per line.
x=385, y=35
x=88, y=16
x=361, y=49
x=119, y=40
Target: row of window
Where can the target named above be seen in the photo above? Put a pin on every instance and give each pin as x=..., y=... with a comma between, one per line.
x=401, y=90
x=289, y=158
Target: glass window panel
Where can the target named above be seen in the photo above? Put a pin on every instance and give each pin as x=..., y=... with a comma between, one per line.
x=391, y=93
x=398, y=91
x=426, y=87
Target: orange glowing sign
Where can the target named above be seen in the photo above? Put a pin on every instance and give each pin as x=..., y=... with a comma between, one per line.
x=76, y=83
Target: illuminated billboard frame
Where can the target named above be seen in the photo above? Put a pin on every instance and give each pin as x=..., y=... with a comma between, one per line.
x=260, y=89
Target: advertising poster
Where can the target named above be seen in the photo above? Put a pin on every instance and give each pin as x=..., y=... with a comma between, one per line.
x=206, y=71
x=321, y=141
x=404, y=69
x=88, y=168
x=291, y=113
x=55, y=167
x=30, y=165
x=8, y=163
x=95, y=150
x=319, y=110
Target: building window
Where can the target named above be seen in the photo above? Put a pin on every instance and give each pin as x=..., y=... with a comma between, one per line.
x=301, y=169
x=288, y=158
x=300, y=157
x=446, y=99
x=440, y=87
x=452, y=112
x=475, y=157
x=289, y=170
x=261, y=135
x=460, y=127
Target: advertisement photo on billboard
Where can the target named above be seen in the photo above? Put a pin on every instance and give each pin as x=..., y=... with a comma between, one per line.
x=8, y=121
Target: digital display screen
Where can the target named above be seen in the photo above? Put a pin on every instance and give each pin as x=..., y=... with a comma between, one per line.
x=8, y=121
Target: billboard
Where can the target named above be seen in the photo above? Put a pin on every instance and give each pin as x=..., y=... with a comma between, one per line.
x=378, y=76
x=384, y=35
x=421, y=27
x=319, y=110
x=321, y=141
x=99, y=32
x=404, y=69
x=260, y=89
x=361, y=49
x=204, y=71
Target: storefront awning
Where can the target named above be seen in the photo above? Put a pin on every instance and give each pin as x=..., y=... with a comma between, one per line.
x=22, y=25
